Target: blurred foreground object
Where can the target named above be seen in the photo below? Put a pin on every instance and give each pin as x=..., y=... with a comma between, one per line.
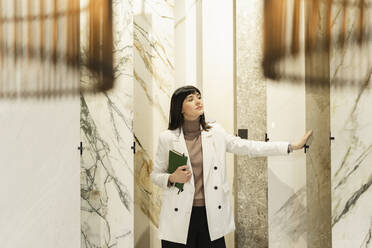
x=46, y=44
x=315, y=28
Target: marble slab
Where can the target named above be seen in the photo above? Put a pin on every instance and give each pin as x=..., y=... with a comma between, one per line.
x=154, y=74
x=287, y=206
x=107, y=212
x=351, y=150
x=39, y=179
x=251, y=207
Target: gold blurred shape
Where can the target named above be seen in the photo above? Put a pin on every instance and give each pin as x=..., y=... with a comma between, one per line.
x=44, y=51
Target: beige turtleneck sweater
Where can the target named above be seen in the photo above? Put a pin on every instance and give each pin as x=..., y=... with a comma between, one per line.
x=192, y=133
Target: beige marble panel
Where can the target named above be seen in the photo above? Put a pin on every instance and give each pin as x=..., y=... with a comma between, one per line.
x=318, y=158
x=154, y=74
x=318, y=162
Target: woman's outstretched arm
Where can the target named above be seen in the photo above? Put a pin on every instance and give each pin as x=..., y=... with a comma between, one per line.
x=237, y=145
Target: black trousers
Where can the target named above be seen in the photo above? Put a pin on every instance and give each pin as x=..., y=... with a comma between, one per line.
x=198, y=234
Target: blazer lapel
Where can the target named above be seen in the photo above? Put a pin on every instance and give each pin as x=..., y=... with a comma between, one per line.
x=208, y=154
x=179, y=145
x=208, y=151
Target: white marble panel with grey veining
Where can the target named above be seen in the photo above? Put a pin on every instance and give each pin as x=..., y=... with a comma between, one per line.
x=288, y=225
x=287, y=205
x=107, y=136
x=351, y=150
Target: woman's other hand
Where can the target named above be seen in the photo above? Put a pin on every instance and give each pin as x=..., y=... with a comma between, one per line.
x=181, y=175
x=300, y=144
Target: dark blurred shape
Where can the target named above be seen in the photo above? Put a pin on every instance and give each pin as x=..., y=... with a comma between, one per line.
x=44, y=52
x=284, y=19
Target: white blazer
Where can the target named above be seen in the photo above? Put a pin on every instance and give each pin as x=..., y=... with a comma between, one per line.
x=176, y=208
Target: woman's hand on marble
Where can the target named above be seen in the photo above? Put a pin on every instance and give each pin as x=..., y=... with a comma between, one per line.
x=181, y=175
x=300, y=144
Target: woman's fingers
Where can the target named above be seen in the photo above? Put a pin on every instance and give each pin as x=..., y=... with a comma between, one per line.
x=300, y=144
x=188, y=176
x=306, y=137
x=183, y=167
x=184, y=173
x=308, y=134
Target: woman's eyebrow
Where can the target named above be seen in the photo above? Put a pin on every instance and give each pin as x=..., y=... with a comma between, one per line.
x=192, y=95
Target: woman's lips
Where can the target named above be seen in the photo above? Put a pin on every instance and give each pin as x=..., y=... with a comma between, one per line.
x=200, y=107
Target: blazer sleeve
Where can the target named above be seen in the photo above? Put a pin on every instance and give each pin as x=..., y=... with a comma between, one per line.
x=159, y=174
x=239, y=146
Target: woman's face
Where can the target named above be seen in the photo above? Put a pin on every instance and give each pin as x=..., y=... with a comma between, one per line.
x=192, y=106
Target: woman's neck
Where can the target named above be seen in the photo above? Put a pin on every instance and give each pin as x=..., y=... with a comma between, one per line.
x=190, y=126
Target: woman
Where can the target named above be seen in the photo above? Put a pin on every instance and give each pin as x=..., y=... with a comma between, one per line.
x=200, y=215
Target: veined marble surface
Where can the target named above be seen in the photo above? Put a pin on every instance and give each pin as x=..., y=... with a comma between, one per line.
x=154, y=52
x=288, y=225
x=286, y=111
x=351, y=125
x=107, y=136
x=153, y=86
x=287, y=205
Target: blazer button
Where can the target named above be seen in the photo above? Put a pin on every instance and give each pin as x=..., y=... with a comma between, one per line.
x=176, y=209
x=215, y=187
x=219, y=206
x=215, y=167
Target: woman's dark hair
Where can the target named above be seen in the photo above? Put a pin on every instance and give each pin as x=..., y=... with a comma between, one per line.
x=175, y=114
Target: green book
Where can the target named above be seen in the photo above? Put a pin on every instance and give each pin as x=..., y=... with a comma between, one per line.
x=176, y=160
